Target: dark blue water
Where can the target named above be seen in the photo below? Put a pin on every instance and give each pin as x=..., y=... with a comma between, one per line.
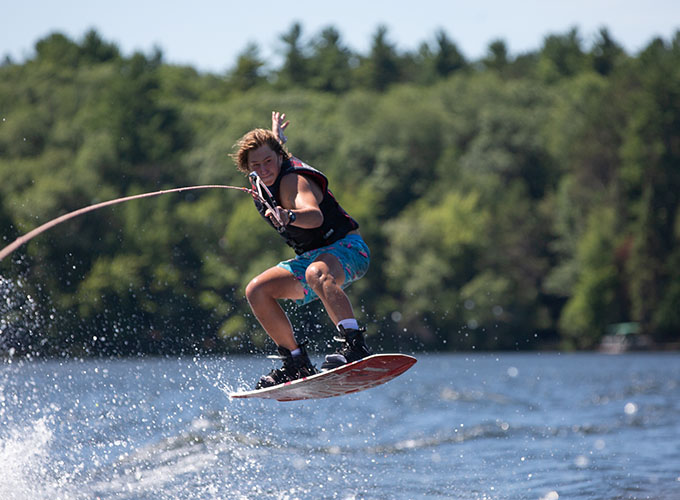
x=487, y=426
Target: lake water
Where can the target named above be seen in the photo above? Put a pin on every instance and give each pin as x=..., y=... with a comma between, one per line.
x=484, y=426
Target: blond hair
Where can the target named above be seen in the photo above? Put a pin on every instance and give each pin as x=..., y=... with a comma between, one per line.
x=253, y=140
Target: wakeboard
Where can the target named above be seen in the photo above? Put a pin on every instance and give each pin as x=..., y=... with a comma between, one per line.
x=353, y=377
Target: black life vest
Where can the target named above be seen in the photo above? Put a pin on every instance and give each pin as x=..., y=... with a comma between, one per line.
x=336, y=222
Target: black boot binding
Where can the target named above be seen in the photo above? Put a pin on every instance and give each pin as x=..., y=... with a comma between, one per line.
x=352, y=349
x=294, y=367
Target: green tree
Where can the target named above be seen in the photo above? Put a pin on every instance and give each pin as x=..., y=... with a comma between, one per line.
x=607, y=54
x=562, y=56
x=585, y=138
x=497, y=56
x=652, y=177
x=447, y=57
x=296, y=67
x=94, y=49
x=593, y=304
x=381, y=68
x=59, y=50
x=248, y=71
x=441, y=239
x=330, y=63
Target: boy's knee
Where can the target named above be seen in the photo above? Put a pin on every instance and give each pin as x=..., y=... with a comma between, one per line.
x=253, y=289
x=316, y=274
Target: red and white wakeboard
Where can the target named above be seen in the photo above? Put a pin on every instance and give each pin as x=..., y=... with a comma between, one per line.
x=346, y=379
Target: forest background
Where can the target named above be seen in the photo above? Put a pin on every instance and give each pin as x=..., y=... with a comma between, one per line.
x=512, y=202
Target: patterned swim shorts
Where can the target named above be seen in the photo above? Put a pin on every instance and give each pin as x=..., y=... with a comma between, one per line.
x=351, y=251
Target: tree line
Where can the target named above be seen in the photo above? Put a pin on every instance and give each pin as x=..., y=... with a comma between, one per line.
x=512, y=202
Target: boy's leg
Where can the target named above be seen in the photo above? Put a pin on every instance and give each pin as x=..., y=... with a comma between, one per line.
x=262, y=293
x=325, y=276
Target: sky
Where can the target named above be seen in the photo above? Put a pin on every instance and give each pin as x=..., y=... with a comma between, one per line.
x=210, y=34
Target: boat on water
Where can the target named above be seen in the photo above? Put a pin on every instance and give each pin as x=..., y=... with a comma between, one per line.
x=625, y=337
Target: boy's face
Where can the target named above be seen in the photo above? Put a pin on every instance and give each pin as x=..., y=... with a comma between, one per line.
x=265, y=163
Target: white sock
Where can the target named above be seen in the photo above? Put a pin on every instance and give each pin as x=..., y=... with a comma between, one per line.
x=348, y=324
x=296, y=352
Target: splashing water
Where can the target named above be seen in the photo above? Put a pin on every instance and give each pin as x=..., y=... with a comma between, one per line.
x=27, y=467
x=19, y=317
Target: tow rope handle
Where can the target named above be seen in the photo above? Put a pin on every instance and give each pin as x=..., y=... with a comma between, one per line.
x=267, y=199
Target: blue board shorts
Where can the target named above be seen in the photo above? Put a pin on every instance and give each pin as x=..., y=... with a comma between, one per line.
x=351, y=251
